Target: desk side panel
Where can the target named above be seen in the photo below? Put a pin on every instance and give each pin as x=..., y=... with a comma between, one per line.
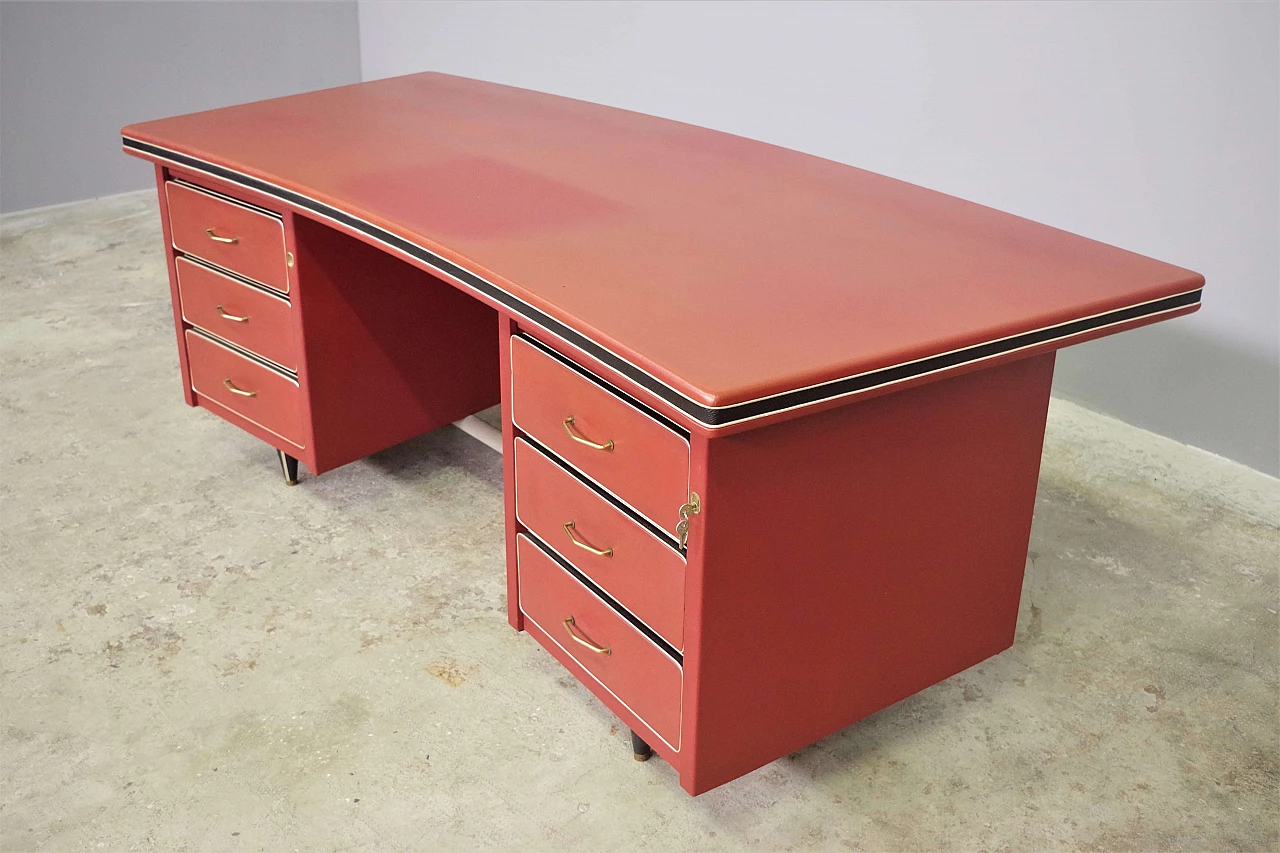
x=846, y=560
x=506, y=327
x=170, y=256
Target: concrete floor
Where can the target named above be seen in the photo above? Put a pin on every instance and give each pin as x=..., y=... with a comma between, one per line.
x=196, y=658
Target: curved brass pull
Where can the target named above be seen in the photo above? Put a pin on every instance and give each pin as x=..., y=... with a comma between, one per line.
x=234, y=390
x=568, y=427
x=218, y=239
x=600, y=650
x=224, y=315
x=569, y=528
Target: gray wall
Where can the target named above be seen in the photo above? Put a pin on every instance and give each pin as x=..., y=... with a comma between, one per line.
x=72, y=74
x=1152, y=126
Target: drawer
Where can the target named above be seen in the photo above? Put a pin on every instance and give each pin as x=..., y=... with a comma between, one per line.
x=247, y=316
x=642, y=572
x=637, y=458
x=267, y=397
x=239, y=238
x=634, y=669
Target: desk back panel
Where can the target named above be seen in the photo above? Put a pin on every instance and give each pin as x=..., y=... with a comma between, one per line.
x=388, y=351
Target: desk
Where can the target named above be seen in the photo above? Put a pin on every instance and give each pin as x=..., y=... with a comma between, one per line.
x=771, y=424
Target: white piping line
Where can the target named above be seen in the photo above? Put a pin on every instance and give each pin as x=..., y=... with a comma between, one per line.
x=962, y=364
x=245, y=282
x=585, y=669
x=278, y=220
x=149, y=155
x=514, y=422
x=595, y=379
x=597, y=680
x=229, y=199
x=621, y=396
x=772, y=412
x=415, y=261
x=663, y=542
x=971, y=346
x=600, y=583
x=209, y=333
x=204, y=336
x=205, y=398
x=239, y=351
x=537, y=544
x=611, y=594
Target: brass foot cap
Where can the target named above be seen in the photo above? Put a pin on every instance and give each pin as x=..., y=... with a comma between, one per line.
x=640, y=757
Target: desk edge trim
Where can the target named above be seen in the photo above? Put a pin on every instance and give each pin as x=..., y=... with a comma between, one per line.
x=711, y=417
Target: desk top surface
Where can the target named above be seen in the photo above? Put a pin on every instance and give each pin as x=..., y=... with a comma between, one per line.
x=731, y=271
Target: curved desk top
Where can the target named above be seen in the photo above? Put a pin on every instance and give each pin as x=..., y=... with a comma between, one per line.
x=731, y=278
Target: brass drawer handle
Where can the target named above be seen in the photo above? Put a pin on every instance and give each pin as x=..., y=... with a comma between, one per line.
x=568, y=427
x=218, y=239
x=232, y=317
x=231, y=386
x=600, y=650
x=569, y=528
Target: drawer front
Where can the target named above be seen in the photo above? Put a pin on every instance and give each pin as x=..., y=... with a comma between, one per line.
x=638, y=673
x=235, y=237
x=640, y=571
x=268, y=398
x=644, y=463
x=246, y=316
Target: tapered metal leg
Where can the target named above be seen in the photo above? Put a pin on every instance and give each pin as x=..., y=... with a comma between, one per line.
x=289, y=466
x=641, y=749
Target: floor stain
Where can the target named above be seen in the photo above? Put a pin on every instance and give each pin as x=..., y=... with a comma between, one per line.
x=237, y=664
x=449, y=671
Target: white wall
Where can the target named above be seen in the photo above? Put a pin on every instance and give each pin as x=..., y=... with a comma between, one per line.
x=73, y=74
x=1152, y=126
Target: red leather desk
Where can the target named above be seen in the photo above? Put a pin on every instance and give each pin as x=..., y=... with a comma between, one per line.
x=772, y=424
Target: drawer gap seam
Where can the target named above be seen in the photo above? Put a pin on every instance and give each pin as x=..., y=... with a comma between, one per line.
x=231, y=274
x=227, y=198
x=241, y=351
x=603, y=384
x=663, y=536
x=591, y=586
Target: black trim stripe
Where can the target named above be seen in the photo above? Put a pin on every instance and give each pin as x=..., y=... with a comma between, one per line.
x=238, y=202
x=662, y=535
x=612, y=389
x=233, y=275
x=706, y=415
x=244, y=353
x=653, y=636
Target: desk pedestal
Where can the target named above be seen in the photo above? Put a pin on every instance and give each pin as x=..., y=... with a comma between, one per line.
x=839, y=563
